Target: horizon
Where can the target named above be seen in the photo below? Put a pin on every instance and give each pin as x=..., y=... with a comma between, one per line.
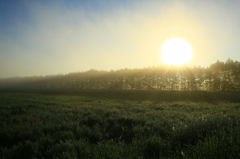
x=40, y=38
x=165, y=66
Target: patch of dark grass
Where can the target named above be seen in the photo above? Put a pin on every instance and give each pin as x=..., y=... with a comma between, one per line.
x=77, y=126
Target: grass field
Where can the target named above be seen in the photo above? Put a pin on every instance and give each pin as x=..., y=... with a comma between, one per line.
x=119, y=124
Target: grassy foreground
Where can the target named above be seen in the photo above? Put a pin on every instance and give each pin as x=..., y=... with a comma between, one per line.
x=119, y=125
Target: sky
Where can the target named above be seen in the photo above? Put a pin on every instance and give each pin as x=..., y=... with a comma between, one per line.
x=42, y=37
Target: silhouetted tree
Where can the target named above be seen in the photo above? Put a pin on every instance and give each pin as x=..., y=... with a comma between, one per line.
x=218, y=76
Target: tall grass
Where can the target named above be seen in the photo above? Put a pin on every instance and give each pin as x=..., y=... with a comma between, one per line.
x=34, y=125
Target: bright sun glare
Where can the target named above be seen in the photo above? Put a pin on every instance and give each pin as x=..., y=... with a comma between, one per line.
x=176, y=51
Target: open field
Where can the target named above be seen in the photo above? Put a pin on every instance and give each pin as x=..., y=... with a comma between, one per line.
x=119, y=124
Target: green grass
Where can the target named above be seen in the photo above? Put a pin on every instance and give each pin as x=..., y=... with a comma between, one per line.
x=119, y=124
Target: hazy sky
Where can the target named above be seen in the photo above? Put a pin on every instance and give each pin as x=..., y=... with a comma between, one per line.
x=45, y=37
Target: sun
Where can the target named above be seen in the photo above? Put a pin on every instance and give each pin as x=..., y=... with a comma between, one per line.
x=176, y=51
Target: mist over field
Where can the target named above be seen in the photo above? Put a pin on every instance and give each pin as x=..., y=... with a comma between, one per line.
x=119, y=79
x=220, y=76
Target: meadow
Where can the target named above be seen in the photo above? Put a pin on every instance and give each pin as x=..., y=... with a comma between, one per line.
x=119, y=124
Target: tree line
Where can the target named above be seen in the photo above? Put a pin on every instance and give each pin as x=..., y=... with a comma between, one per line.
x=216, y=77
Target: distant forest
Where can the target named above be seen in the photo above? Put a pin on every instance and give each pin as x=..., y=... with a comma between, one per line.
x=216, y=77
